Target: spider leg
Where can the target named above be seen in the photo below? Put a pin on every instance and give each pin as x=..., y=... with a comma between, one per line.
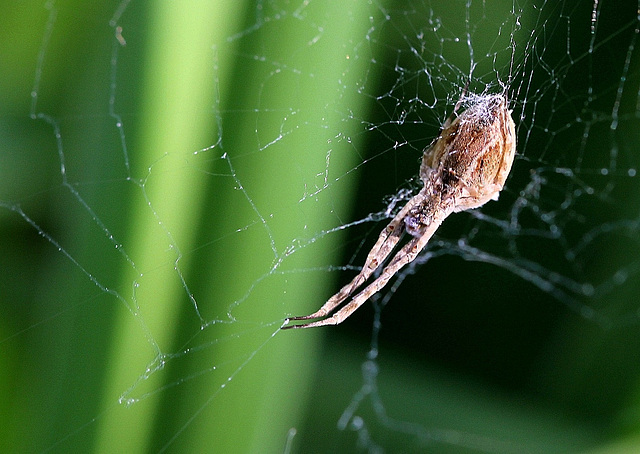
x=387, y=240
x=404, y=256
x=385, y=244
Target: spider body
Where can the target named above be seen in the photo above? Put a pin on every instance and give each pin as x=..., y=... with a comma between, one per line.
x=465, y=167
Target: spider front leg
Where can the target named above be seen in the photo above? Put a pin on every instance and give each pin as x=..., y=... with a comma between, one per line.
x=404, y=256
x=386, y=242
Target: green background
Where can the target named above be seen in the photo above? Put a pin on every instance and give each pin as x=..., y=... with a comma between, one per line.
x=472, y=356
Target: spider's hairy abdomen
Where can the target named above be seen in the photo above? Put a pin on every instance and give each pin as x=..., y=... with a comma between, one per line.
x=474, y=153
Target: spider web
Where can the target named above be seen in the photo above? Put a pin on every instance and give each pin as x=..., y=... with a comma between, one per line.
x=178, y=180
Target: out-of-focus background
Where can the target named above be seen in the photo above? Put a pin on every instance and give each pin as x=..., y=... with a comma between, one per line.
x=177, y=178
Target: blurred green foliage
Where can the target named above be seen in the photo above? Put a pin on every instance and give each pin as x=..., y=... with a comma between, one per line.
x=489, y=364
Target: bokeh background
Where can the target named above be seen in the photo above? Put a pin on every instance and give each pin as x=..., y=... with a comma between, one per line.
x=110, y=223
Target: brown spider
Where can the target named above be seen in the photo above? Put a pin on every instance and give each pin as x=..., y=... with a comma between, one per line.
x=465, y=167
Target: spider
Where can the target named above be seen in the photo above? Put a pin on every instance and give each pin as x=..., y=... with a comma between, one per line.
x=465, y=167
